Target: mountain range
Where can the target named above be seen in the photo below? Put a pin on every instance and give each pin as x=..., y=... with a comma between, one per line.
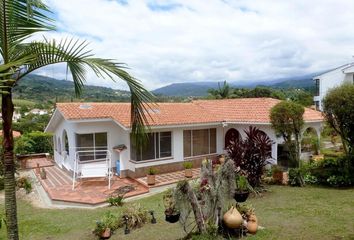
x=46, y=90
x=201, y=88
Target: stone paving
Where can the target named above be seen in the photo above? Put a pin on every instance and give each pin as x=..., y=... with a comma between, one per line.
x=58, y=185
x=169, y=178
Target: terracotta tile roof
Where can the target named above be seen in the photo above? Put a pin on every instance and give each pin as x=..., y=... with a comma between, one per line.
x=246, y=110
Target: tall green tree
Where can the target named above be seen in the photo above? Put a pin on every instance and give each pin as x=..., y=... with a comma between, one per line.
x=223, y=91
x=20, y=20
x=338, y=107
x=287, y=120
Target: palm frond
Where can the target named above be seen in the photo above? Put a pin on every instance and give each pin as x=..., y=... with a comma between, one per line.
x=19, y=20
x=78, y=60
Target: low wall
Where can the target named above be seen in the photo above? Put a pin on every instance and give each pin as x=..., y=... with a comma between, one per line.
x=167, y=167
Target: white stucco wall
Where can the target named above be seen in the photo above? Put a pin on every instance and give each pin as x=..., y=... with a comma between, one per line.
x=330, y=80
x=116, y=135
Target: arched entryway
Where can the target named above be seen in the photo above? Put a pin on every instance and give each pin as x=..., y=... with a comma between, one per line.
x=232, y=135
x=310, y=143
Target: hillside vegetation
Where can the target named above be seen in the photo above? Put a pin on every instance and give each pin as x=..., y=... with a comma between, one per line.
x=41, y=89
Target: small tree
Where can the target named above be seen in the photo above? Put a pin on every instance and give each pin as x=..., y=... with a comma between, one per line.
x=339, y=112
x=287, y=121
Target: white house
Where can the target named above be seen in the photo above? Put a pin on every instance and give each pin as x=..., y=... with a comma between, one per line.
x=89, y=132
x=331, y=79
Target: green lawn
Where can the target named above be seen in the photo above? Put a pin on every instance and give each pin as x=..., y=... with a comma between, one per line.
x=285, y=212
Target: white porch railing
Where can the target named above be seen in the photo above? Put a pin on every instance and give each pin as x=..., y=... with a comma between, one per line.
x=92, y=164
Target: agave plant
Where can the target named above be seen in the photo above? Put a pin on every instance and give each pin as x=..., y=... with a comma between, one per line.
x=20, y=20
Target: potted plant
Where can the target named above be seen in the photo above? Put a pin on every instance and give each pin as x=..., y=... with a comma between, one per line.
x=106, y=226
x=277, y=174
x=151, y=176
x=242, y=188
x=188, y=169
x=43, y=174
x=171, y=212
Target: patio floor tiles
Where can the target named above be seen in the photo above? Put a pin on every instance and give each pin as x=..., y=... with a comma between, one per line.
x=58, y=185
x=168, y=178
x=42, y=161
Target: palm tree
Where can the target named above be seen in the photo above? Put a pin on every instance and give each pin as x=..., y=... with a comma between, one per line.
x=20, y=20
x=222, y=92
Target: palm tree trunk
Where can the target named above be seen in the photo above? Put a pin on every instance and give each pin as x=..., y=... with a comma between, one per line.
x=7, y=110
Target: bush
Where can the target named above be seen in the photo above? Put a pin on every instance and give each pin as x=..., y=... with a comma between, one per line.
x=116, y=200
x=296, y=177
x=251, y=154
x=136, y=216
x=25, y=183
x=337, y=172
x=34, y=142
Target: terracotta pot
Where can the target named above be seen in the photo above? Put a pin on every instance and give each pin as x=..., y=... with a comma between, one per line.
x=188, y=173
x=233, y=218
x=221, y=160
x=318, y=157
x=106, y=233
x=252, y=224
x=278, y=177
x=151, y=179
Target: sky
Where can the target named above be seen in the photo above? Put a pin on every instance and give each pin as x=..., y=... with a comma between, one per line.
x=168, y=41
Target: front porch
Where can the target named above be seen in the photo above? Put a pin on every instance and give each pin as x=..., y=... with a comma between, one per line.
x=58, y=186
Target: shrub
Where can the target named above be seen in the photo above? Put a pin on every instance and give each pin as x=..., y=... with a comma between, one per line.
x=25, y=183
x=34, y=142
x=296, y=177
x=136, y=216
x=334, y=171
x=116, y=200
x=252, y=154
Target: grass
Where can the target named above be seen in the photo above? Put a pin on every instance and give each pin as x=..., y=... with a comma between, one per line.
x=285, y=212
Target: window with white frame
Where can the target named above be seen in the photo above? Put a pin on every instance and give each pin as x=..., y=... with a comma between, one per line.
x=159, y=145
x=199, y=142
x=91, y=146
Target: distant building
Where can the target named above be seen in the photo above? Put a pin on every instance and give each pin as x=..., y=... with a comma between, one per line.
x=15, y=117
x=37, y=111
x=330, y=79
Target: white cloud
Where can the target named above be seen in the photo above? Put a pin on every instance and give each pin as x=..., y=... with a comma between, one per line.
x=214, y=40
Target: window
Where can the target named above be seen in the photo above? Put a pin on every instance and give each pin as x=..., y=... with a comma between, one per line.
x=199, y=142
x=159, y=145
x=317, y=105
x=66, y=142
x=317, y=87
x=93, y=146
